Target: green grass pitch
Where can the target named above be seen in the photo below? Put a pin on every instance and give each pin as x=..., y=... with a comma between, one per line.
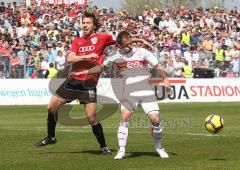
x=189, y=145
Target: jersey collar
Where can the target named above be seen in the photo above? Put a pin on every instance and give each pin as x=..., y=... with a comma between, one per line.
x=93, y=34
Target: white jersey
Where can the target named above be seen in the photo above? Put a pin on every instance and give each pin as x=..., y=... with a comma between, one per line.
x=135, y=87
x=137, y=62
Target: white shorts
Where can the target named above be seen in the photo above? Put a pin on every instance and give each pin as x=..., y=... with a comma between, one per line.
x=149, y=107
x=145, y=95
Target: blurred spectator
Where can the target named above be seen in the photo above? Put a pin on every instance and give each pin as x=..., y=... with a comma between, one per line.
x=51, y=72
x=2, y=7
x=50, y=40
x=22, y=54
x=219, y=57
x=30, y=65
x=235, y=63
x=44, y=66
x=187, y=70
x=15, y=63
x=60, y=62
x=178, y=65
x=50, y=56
x=164, y=52
x=169, y=68
x=7, y=52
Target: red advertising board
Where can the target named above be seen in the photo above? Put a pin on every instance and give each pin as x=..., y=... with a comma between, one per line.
x=63, y=2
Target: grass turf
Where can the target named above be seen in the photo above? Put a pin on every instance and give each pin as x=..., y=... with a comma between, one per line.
x=189, y=145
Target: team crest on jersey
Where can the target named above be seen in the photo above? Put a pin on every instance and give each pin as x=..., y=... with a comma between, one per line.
x=94, y=40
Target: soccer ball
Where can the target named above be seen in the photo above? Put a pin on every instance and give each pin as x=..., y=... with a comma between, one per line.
x=214, y=123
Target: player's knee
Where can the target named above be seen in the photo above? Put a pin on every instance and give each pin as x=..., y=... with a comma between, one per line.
x=156, y=125
x=50, y=108
x=125, y=118
x=154, y=117
x=125, y=115
x=55, y=104
x=92, y=119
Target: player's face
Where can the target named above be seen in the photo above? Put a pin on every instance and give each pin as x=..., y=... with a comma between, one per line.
x=88, y=26
x=126, y=46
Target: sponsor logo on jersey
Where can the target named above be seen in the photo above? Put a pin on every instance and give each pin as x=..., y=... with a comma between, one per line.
x=136, y=64
x=86, y=49
x=94, y=40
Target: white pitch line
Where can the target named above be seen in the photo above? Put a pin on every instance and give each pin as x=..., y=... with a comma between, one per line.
x=107, y=131
x=201, y=134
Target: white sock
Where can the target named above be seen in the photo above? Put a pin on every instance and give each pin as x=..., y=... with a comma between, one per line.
x=157, y=135
x=122, y=135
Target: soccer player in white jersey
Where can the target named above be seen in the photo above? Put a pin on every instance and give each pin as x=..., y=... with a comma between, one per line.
x=136, y=89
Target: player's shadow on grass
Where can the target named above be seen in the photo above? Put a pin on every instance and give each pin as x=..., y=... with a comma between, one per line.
x=217, y=159
x=94, y=152
x=152, y=154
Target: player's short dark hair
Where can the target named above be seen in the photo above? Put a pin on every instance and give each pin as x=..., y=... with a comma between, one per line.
x=96, y=22
x=121, y=35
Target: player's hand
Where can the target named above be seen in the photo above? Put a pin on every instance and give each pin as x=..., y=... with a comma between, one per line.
x=167, y=85
x=85, y=72
x=121, y=63
x=92, y=55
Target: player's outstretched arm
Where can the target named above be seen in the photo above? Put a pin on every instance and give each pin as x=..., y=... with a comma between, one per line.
x=72, y=57
x=164, y=76
x=94, y=70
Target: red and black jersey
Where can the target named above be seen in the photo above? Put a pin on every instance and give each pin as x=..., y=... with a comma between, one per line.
x=96, y=43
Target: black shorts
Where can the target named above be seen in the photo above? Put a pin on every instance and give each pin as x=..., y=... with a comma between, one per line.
x=72, y=89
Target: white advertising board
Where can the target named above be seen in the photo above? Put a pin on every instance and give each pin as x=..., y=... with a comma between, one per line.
x=36, y=91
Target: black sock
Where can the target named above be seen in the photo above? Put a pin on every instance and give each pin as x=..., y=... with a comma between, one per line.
x=98, y=132
x=51, y=123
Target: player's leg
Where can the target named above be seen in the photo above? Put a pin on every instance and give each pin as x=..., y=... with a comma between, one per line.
x=53, y=107
x=123, y=132
x=152, y=111
x=97, y=129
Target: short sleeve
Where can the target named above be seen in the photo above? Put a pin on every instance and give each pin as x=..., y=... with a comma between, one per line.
x=110, y=60
x=74, y=48
x=109, y=39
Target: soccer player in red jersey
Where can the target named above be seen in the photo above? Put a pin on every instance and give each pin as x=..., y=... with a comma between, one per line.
x=86, y=52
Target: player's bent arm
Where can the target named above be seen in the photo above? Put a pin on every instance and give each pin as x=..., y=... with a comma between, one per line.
x=72, y=57
x=161, y=71
x=144, y=42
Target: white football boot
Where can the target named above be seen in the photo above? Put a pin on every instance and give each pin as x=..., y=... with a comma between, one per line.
x=120, y=155
x=161, y=152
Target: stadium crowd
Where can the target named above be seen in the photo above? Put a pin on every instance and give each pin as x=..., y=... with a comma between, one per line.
x=34, y=39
